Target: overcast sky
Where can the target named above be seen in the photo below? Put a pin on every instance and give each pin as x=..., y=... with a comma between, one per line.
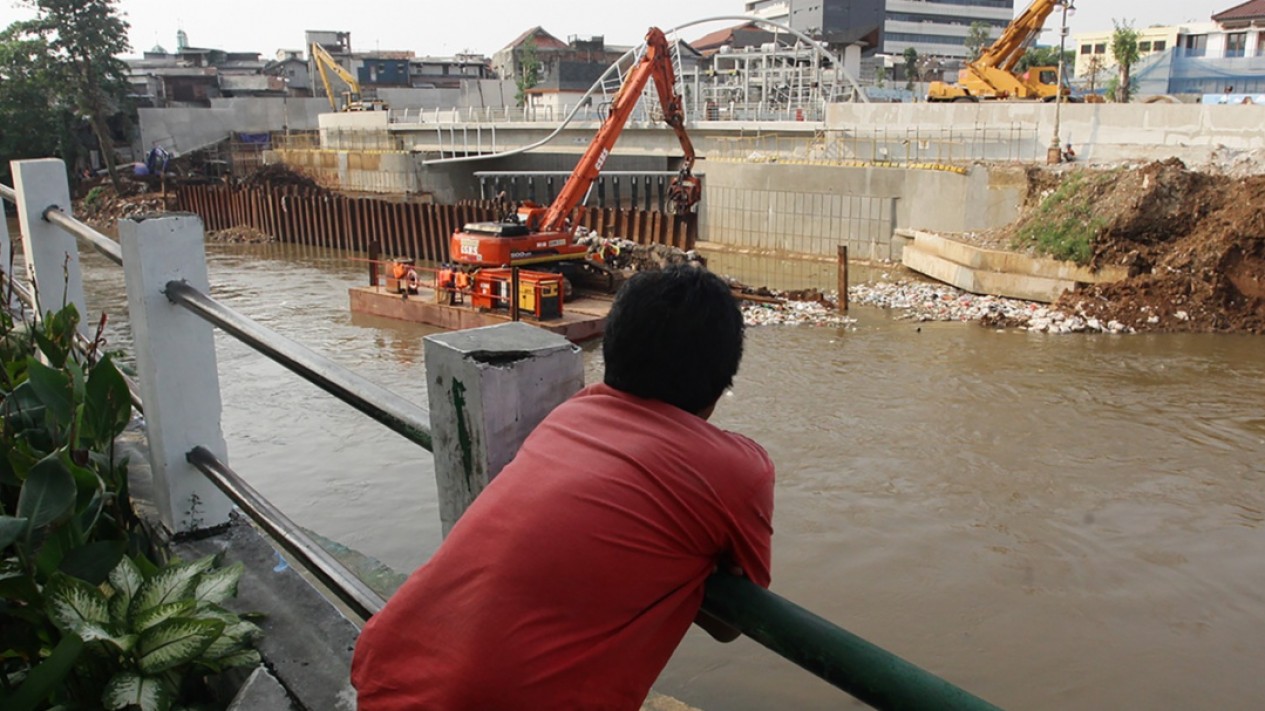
x=449, y=26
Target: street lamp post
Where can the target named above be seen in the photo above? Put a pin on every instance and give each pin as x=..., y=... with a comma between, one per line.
x=1055, y=154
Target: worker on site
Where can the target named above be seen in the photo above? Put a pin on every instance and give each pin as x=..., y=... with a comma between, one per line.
x=573, y=576
x=461, y=284
x=442, y=277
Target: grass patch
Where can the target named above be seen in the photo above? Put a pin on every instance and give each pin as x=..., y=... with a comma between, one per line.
x=1064, y=225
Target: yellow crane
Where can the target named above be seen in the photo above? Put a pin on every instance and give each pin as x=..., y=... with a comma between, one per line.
x=993, y=75
x=352, y=98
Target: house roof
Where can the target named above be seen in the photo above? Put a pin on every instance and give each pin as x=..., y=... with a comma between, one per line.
x=544, y=40
x=1251, y=10
x=719, y=37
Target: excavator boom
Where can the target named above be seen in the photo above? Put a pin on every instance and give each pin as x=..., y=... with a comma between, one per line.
x=326, y=64
x=656, y=63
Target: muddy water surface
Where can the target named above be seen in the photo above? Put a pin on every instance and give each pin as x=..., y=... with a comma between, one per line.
x=1052, y=522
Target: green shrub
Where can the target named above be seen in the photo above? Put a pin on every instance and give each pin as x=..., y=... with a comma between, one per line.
x=93, y=199
x=1065, y=225
x=88, y=620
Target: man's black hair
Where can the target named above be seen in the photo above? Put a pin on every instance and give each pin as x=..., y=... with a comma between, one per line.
x=674, y=335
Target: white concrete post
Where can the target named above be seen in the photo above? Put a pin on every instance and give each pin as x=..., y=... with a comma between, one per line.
x=488, y=389
x=175, y=359
x=52, y=257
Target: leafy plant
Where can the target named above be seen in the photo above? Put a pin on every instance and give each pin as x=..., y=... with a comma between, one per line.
x=93, y=199
x=84, y=607
x=1065, y=223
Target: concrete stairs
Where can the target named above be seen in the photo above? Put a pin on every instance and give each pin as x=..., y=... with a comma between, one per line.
x=997, y=272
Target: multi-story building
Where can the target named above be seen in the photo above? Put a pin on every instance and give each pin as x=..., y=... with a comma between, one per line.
x=936, y=28
x=1224, y=56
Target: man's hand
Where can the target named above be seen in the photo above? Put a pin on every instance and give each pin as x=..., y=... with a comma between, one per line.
x=720, y=631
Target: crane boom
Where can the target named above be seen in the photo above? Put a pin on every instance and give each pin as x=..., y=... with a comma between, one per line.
x=655, y=64
x=325, y=64
x=1006, y=52
x=992, y=75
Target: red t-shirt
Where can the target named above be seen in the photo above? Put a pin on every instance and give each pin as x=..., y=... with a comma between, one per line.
x=575, y=574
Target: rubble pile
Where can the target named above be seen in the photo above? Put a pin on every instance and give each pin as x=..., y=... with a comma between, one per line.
x=626, y=255
x=923, y=301
x=278, y=174
x=103, y=208
x=239, y=235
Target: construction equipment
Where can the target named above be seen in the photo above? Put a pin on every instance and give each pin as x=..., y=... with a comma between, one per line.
x=993, y=75
x=539, y=293
x=353, y=99
x=540, y=235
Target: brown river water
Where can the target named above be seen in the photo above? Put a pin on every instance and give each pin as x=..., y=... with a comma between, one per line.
x=1051, y=522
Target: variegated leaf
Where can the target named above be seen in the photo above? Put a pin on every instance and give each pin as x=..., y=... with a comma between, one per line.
x=96, y=632
x=72, y=602
x=219, y=585
x=127, y=689
x=244, y=658
x=166, y=586
x=237, y=636
x=175, y=642
x=162, y=613
x=126, y=579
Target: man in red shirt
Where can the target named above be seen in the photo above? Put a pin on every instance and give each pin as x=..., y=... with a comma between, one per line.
x=576, y=572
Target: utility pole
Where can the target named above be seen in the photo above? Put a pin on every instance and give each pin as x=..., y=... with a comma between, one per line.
x=1055, y=153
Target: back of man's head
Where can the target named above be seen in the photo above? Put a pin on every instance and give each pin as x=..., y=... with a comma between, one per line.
x=674, y=335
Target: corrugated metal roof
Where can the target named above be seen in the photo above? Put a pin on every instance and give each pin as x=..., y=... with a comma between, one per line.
x=1251, y=10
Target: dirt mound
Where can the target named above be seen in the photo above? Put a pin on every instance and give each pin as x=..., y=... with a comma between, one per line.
x=278, y=174
x=1194, y=244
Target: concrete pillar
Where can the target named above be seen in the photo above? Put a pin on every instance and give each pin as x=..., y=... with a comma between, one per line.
x=175, y=360
x=6, y=249
x=52, y=257
x=852, y=60
x=489, y=388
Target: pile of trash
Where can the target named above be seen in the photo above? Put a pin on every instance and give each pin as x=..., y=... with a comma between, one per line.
x=240, y=235
x=278, y=174
x=923, y=301
x=102, y=208
x=788, y=312
x=626, y=255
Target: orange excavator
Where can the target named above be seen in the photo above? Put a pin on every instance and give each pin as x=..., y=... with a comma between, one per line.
x=544, y=237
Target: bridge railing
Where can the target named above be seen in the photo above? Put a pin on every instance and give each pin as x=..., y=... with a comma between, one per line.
x=487, y=389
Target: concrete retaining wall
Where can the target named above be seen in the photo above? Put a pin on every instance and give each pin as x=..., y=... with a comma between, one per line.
x=187, y=129
x=1099, y=132
x=812, y=209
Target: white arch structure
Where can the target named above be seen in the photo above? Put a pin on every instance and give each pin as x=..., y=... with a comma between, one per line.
x=635, y=54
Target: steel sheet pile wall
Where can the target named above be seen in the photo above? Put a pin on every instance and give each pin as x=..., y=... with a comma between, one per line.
x=325, y=219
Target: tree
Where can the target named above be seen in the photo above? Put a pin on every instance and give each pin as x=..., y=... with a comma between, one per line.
x=528, y=70
x=911, y=67
x=977, y=38
x=1124, y=47
x=1044, y=57
x=84, y=40
x=1094, y=66
x=880, y=76
x=33, y=122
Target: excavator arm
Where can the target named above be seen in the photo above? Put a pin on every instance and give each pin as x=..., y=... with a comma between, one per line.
x=326, y=64
x=655, y=63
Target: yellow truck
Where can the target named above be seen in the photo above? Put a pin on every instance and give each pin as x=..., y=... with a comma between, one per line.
x=993, y=75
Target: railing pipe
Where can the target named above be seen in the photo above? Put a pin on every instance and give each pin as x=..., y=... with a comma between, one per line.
x=388, y=408
x=8, y=193
x=334, y=575
x=871, y=674
x=100, y=242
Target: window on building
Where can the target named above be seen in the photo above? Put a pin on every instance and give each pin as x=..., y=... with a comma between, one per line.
x=1196, y=45
x=1100, y=48
x=1144, y=46
x=1087, y=48
x=1260, y=44
x=1159, y=45
x=1236, y=44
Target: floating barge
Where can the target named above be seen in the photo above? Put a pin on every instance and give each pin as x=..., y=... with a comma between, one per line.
x=583, y=317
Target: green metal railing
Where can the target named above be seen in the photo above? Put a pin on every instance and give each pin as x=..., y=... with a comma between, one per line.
x=871, y=674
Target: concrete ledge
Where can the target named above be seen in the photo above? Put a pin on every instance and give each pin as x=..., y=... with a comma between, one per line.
x=995, y=260
x=262, y=692
x=1015, y=286
x=997, y=272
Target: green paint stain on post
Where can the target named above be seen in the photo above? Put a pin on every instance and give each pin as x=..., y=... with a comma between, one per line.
x=463, y=433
